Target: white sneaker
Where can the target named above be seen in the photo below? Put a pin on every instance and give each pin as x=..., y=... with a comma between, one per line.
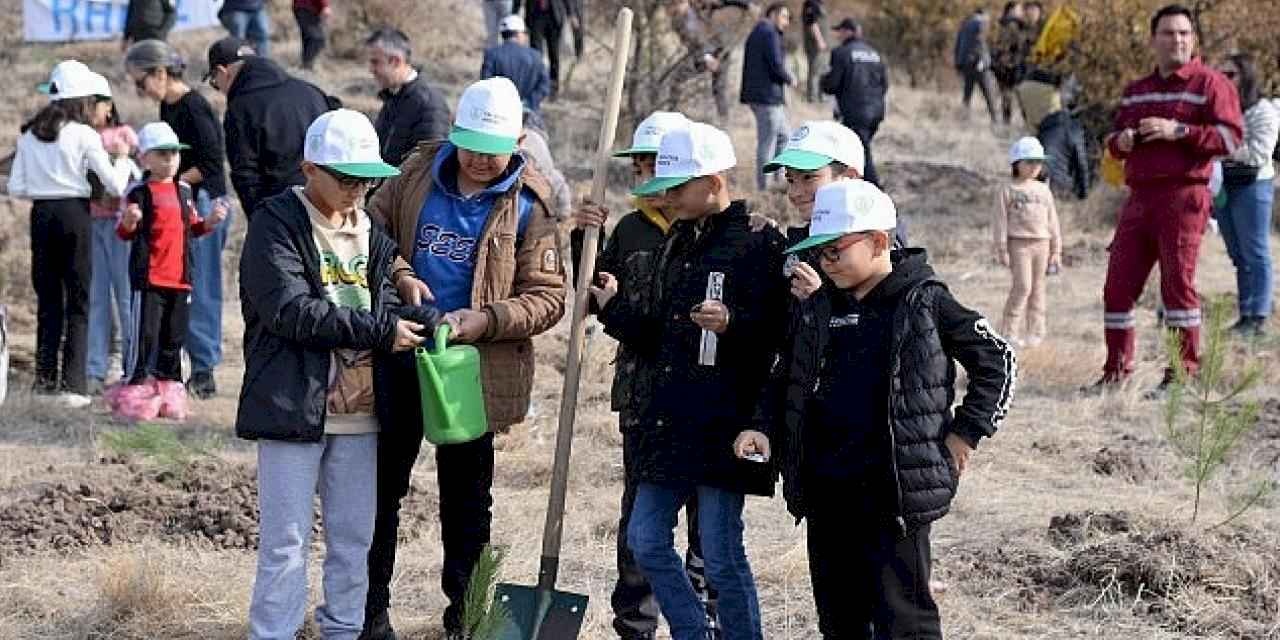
x=74, y=400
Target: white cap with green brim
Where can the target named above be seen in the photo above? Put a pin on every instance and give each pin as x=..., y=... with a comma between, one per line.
x=72, y=79
x=818, y=143
x=684, y=154
x=848, y=206
x=344, y=141
x=159, y=136
x=490, y=117
x=650, y=131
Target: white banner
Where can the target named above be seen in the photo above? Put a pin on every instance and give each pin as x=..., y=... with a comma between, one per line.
x=66, y=20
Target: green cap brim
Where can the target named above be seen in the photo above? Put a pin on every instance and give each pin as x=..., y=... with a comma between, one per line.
x=482, y=142
x=814, y=241
x=659, y=185
x=636, y=151
x=797, y=159
x=169, y=147
x=365, y=169
x=44, y=87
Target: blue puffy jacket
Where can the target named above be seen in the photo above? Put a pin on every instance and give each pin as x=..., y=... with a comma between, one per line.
x=764, y=68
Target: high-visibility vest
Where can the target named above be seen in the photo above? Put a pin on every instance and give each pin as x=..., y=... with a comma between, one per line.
x=1059, y=31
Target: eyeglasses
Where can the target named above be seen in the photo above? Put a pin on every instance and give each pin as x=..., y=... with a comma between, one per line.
x=831, y=252
x=346, y=182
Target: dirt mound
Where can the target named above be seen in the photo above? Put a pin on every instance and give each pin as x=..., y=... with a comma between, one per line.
x=114, y=502
x=1122, y=462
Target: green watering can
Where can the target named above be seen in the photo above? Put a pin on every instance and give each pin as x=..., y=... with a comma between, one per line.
x=452, y=398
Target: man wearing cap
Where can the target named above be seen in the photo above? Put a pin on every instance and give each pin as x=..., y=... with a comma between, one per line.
x=764, y=85
x=474, y=223
x=859, y=411
x=703, y=317
x=516, y=61
x=859, y=81
x=322, y=321
x=412, y=110
x=634, y=240
x=266, y=120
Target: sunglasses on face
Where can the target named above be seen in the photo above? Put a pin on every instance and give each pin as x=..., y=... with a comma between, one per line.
x=346, y=182
x=831, y=252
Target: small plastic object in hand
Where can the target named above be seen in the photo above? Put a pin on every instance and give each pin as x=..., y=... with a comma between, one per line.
x=755, y=457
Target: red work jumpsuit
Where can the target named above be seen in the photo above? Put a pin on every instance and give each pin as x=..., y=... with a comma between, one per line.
x=1169, y=205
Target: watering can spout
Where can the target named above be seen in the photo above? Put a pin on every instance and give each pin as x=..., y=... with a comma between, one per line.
x=442, y=337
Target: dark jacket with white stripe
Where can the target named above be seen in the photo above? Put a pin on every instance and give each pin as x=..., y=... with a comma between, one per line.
x=931, y=332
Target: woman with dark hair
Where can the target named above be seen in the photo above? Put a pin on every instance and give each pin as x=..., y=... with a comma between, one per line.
x=1245, y=219
x=57, y=150
x=156, y=70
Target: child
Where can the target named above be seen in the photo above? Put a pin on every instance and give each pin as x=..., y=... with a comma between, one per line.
x=321, y=318
x=49, y=168
x=863, y=423
x=818, y=153
x=714, y=345
x=1028, y=240
x=109, y=294
x=161, y=221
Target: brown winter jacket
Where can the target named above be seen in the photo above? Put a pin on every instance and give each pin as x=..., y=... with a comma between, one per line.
x=521, y=287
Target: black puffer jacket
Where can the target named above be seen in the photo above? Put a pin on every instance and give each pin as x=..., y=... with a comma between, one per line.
x=268, y=112
x=931, y=332
x=416, y=113
x=688, y=414
x=1068, y=163
x=290, y=329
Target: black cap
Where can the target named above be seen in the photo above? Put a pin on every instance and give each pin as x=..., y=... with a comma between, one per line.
x=848, y=24
x=228, y=50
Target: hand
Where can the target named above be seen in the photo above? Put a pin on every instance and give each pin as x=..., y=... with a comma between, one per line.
x=804, y=281
x=1002, y=257
x=468, y=325
x=1158, y=129
x=711, y=63
x=413, y=291
x=325, y=13
x=960, y=451
x=218, y=213
x=590, y=214
x=759, y=223
x=751, y=442
x=575, y=23
x=406, y=336
x=607, y=289
x=1055, y=261
x=132, y=215
x=1125, y=140
x=711, y=315
x=119, y=149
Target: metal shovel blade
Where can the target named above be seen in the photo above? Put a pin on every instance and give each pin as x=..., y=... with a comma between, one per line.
x=540, y=615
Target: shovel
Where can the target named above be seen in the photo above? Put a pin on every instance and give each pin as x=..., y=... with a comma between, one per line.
x=541, y=612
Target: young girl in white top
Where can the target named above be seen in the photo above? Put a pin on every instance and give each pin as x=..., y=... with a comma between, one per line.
x=57, y=150
x=1028, y=240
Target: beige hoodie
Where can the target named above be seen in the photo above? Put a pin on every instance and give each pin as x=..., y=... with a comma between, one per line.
x=1025, y=209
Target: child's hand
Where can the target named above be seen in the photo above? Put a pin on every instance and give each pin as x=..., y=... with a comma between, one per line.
x=590, y=214
x=607, y=289
x=804, y=281
x=960, y=451
x=132, y=215
x=711, y=315
x=1002, y=257
x=1055, y=261
x=751, y=443
x=759, y=223
x=406, y=335
x=218, y=213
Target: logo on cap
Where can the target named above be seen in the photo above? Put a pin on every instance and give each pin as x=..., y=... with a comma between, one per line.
x=667, y=159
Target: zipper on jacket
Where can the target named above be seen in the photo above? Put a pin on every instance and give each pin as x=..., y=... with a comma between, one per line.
x=893, y=439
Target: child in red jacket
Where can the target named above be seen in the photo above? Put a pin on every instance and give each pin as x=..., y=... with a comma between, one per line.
x=161, y=221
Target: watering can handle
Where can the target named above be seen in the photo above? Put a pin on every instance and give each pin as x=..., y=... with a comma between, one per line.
x=442, y=337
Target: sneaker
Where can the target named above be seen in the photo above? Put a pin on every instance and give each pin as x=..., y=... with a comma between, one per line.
x=94, y=387
x=74, y=400
x=202, y=386
x=1250, y=327
x=378, y=627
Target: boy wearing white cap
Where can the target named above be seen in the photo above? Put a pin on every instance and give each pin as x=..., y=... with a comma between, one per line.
x=160, y=219
x=57, y=150
x=1028, y=240
x=475, y=224
x=321, y=322
x=859, y=409
x=636, y=236
x=703, y=317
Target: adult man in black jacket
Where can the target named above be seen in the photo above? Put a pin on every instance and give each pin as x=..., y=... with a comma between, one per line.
x=413, y=111
x=547, y=19
x=268, y=112
x=859, y=81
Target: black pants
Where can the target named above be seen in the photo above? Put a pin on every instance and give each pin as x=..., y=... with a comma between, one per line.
x=544, y=28
x=866, y=132
x=61, y=270
x=635, y=609
x=311, y=28
x=985, y=81
x=162, y=329
x=868, y=583
x=464, y=473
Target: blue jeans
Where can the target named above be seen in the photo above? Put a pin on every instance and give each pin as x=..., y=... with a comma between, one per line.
x=253, y=26
x=204, y=331
x=651, y=537
x=108, y=287
x=1245, y=223
x=771, y=137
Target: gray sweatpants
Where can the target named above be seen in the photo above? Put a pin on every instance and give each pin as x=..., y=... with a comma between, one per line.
x=343, y=468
